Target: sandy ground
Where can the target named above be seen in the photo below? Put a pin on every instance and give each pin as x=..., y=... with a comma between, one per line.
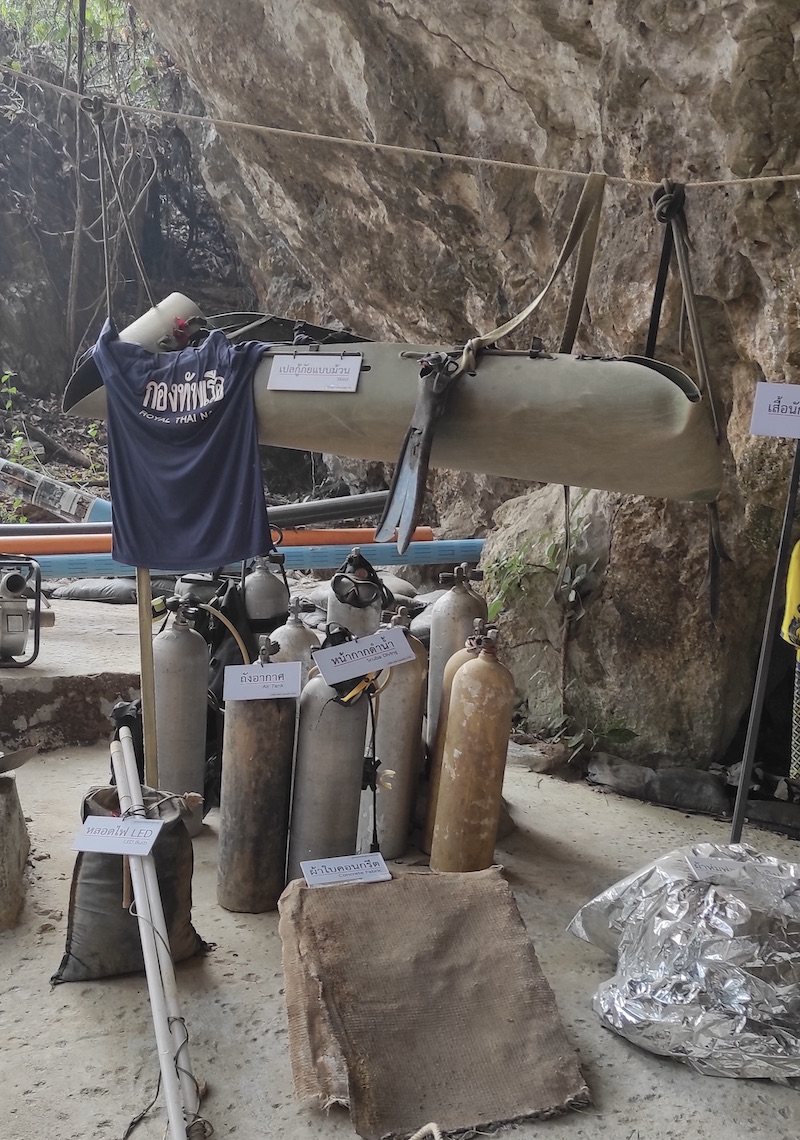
x=78, y=1060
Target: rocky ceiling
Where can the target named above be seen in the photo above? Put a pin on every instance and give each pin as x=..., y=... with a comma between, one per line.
x=417, y=247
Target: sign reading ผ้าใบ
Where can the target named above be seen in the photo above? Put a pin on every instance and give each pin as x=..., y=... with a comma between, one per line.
x=345, y=869
x=776, y=410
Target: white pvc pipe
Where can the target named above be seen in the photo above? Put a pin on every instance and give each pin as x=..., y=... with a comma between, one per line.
x=164, y=1040
x=189, y=1087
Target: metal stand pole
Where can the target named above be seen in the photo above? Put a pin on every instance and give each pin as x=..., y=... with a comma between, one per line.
x=770, y=628
x=144, y=601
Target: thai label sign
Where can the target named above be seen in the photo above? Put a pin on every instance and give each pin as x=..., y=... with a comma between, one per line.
x=133, y=835
x=345, y=869
x=257, y=682
x=314, y=372
x=711, y=867
x=776, y=410
x=367, y=654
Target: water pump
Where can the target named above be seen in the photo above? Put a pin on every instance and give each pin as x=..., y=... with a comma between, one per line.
x=20, y=582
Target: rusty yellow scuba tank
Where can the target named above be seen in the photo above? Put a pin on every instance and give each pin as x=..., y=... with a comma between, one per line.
x=471, y=649
x=474, y=759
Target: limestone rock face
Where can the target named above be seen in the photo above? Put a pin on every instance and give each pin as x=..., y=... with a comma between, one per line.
x=410, y=246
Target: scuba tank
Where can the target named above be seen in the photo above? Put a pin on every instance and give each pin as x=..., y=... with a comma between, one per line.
x=180, y=666
x=399, y=708
x=266, y=595
x=356, y=596
x=474, y=760
x=295, y=641
x=329, y=768
x=451, y=624
x=471, y=649
x=257, y=752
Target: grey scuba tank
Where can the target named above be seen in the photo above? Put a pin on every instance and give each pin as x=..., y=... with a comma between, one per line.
x=328, y=772
x=356, y=595
x=266, y=595
x=399, y=710
x=180, y=665
x=295, y=640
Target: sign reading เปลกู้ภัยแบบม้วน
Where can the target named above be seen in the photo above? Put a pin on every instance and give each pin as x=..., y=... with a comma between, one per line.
x=317, y=372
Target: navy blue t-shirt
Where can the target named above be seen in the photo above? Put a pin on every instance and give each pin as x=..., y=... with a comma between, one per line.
x=184, y=469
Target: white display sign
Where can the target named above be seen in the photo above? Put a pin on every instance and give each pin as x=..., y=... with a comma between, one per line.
x=132, y=835
x=776, y=410
x=258, y=682
x=345, y=869
x=367, y=654
x=314, y=372
x=705, y=867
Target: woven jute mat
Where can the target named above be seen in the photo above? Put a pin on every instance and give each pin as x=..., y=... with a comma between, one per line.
x=422, y=999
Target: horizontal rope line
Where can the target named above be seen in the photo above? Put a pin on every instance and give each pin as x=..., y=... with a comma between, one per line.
x=390, y=148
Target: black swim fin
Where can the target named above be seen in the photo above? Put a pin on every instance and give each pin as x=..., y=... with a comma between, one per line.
x=407, y=492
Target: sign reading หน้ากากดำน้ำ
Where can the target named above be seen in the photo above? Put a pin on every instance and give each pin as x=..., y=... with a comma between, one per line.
x=776, y=410
x=370, y=654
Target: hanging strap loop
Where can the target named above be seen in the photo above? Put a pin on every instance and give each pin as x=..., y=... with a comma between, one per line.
x=669, y=201
x=583, y=230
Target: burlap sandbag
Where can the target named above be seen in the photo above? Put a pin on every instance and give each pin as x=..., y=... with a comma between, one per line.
x=422, y=999
x=102, y=936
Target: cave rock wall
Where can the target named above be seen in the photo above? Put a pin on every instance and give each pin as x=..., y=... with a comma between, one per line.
x=415, y=247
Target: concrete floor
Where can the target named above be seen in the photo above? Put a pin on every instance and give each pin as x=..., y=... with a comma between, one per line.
x=78, y=1060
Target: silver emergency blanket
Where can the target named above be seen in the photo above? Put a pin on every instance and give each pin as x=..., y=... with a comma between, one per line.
x=707, y=942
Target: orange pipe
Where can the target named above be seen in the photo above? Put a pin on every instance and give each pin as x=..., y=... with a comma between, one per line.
x=55, y=544
x=354, y=536
x=101, y=543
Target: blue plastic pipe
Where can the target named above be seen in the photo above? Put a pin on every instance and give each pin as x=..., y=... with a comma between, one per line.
x=99, y=512
x=439, y=552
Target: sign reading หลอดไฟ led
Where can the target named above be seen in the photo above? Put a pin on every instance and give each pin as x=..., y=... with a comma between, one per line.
x=131, y=835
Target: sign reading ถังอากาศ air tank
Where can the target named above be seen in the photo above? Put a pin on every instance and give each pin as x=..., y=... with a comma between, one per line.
x=261, y=681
